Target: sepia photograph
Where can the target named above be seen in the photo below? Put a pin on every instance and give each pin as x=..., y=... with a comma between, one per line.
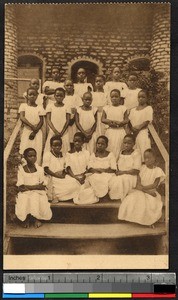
x=86, y=135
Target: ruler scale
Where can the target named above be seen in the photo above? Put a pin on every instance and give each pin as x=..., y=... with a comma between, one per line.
x=89, y=285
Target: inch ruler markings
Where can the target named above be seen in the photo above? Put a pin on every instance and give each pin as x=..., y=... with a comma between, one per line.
x=90, y=285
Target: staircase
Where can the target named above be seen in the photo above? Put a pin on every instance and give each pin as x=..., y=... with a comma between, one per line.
x=85, y=229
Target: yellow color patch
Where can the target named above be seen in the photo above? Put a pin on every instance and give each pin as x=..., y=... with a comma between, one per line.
x=110, y=295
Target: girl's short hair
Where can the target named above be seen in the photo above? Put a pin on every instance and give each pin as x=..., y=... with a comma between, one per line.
x=145, y=91
x=104, y=138
x=117, y=91
x=130, y=136
x=86, y=94
x=149, y=150
x=27, y=150
x=100, y=76
x=60, y=90
x=31, y=88
x=55, y=138
x=133, y=74
x=80, y=135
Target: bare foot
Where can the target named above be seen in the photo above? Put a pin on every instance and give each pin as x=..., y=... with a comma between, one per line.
x=37, y=224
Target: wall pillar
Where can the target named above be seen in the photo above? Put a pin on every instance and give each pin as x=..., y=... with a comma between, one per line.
x=10, y=70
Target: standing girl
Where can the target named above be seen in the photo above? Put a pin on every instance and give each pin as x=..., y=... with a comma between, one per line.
x=99, y=101
x=71, y=101
x=31, y=116
x=82, y=86
x=101, y=168
x=143, y=205
x=115, y=116
x=60, y=186
x=58, y=117
x=50, y=86
x=32, y=202
x=129, y=164
x=86, y=121
x=115, y=83
x=139, y=118
x=131, y=96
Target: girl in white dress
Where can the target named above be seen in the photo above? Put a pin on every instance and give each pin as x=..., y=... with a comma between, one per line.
x=131, y=95
x=86, y=121
x=71, y=101
x=32, y=202
x=139, y=118
x=101, y=168
x=115, y=116
x=50, y=86
x=31, y=116
x=99, y=101
x=61, y=187
x=115, y=84
x=143, y=205
x=82, y=86
x=41, y=100
x=77, y=159
x=129, y=164
x=58, y=118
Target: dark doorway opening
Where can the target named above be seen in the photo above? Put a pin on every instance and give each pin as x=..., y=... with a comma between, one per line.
x=90, y=67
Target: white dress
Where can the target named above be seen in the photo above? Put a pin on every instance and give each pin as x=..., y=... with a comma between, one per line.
x=52, y=85
x=131, y=98
x=32, y=114
x=59, y=188
x=78, y=162
x=140, y=207
x=72, y=102
x=121, y=185
x=99, y=101
x=136, y=118
x=81, y=88
x=32, y=202
x=58, y=118
x=100, y=182
x=115, y=135
x=87, y=120
x=111, y=85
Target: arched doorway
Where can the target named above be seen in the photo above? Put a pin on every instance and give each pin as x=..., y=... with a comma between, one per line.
x=29, y=66
x=91, y=68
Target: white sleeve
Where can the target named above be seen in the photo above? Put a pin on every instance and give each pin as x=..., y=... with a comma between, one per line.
x=160, y=174
x=22, y=107
x=48, y=108
x=20, y=177
x=46, y=159
x=68, y=160
x=113, y=164
x=42, y=112
x=137, y=160
x=91, y=162
x=149, y=114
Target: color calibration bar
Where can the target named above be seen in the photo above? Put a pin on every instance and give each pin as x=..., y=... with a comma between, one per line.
x=87, y=296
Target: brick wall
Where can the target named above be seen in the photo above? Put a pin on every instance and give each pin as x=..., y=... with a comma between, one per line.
x=59, y=40
x=160, y=50
x=10, y=102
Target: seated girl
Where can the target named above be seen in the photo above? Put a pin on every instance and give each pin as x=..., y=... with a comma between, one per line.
x=143, y=205
x=101, y=168
x=129, y=164
x=77, y=159
x=32, y=202
x=61, y=187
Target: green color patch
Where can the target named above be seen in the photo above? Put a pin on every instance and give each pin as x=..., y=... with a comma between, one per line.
x=67, y=296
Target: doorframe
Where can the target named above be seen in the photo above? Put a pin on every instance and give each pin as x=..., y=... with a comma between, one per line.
x=84, y=58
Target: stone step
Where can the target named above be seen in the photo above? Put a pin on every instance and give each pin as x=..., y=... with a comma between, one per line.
x=85, y=231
